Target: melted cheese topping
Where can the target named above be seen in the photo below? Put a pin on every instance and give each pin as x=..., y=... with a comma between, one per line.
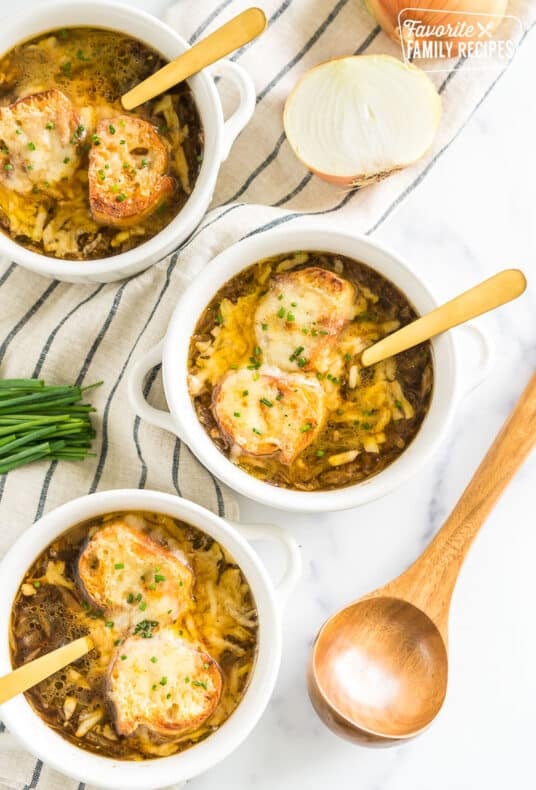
x=126, y=572
x=40, y=136
x=266, y=410
x=299, y=319
x=164, y=683
x=127, y=170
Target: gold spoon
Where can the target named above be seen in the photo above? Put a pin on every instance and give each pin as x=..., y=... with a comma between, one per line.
x=492, y=293
x=234, y=34
x=35, y=671
x=378, y=670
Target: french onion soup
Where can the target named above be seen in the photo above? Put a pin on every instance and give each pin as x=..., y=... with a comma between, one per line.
x=81, y=178
x=275, y=374
x=174, y=625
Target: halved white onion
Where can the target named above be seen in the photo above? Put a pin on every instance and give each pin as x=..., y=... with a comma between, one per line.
x=354, y=120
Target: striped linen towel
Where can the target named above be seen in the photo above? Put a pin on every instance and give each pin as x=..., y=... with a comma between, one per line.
x=68, y=333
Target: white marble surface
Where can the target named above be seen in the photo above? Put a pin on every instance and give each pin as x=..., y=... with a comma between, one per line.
x=474, y=213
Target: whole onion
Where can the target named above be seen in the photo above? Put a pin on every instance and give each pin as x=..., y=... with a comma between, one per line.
x=437, y=12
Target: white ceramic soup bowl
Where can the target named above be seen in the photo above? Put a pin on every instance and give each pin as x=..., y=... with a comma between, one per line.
x=219, y=133
x=173, y=353
x=93, y=769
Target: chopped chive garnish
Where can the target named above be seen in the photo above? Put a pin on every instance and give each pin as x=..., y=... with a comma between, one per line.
x=291, y=317
x=319, y=453
x=163, y=681
x=264, y=327
x=154, y=659
x=266, y=402
x=30, y=146
x=50, y=125
x=256, y=430
x=119, y=566
x=281, y=312
x=245, y=393
x=8, y=166
x=236, y=414
x=121, y=197
x=123, y=658
x=143, y=606
x=306, y=427
x=159, y=578
x=111, y=128
x=296, y=353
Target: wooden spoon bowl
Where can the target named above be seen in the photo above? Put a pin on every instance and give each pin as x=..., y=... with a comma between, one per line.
x=379, y=668
x=380, y=662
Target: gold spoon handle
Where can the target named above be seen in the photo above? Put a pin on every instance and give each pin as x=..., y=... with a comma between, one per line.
x=35, y=671
x=227, y=38
x=429, y=582
x=492, y=293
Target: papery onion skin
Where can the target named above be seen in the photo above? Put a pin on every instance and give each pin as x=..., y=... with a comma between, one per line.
x=386, y=13
x=354, y=179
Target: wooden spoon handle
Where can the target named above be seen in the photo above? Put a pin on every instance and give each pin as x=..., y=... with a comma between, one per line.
x=227, y=38
x=35, y=671
x=492, y=293
x=429, y=582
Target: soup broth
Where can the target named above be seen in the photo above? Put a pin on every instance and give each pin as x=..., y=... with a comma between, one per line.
x=297, y=324
x=93, y=68
x=51, y=609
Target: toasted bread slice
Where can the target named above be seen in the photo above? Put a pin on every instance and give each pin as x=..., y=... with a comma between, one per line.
x=269, y=412
x=128, y=162
x=163, y=683
x=40, y=138
x=298, y=320
x=123, y=570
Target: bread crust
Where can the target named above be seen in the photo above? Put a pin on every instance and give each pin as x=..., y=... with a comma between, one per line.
x=164, y=683
x=124, y=570
x=128, y=164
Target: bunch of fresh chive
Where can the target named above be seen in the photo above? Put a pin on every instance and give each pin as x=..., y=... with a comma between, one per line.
x=40, y=421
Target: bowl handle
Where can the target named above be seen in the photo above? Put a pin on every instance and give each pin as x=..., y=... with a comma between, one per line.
x=246, y=103
x=158, y=417
x=477, y=369
x=293, y=566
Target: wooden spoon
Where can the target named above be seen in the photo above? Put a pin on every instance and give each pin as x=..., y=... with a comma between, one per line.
x=378, y=671
x=234, y=34
x=35, y=671
x=492, y=293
